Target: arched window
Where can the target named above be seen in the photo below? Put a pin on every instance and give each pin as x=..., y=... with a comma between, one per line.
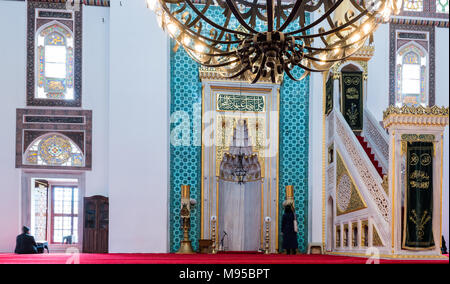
x=411, y=76
x=55, y=63
x=54, y=150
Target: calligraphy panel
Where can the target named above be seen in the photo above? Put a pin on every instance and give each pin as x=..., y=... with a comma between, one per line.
x=352, y=99
x=230, y=102
x=418, y=217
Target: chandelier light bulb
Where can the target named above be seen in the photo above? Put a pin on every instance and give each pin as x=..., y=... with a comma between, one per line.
x=200, y=48
x=366, y=28
x=386, y=13
x=152, y=4
x=336, y=50
x=172, y=29
x=187, y=40
x=355, y=38
x=322, y=58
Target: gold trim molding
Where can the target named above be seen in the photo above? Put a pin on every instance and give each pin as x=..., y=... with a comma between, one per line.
x=362, y=63
x=393, y=256
x=416, y=116
x=214, y=74
x=361, y=57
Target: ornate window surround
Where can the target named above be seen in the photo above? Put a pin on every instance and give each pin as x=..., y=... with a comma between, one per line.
x=424, y=70
x=35, y=22
x=73, y=124
x=396, y=45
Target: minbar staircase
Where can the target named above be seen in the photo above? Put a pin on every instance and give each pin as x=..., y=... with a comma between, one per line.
x=369, y=153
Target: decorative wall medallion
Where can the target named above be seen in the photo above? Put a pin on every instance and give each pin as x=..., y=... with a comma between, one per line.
x=55, y=150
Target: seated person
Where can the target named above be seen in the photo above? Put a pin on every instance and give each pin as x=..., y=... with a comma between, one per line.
x=25, y=243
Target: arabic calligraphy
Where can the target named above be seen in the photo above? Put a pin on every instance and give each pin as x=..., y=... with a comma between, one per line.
x=419, y=179
x=229, y=102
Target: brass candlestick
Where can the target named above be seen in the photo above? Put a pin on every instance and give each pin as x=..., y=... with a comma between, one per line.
x=185, y=244
x=213, y=235
x=289, y=196
x=267, y=236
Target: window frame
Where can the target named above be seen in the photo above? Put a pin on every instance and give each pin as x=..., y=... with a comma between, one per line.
x=39, y=15
x=423, y=75
x=394, y=30
x=69, y=62
x=72, y=215
x=46, y=136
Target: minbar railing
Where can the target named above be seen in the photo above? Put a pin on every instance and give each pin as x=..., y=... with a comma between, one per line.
x=378, y=139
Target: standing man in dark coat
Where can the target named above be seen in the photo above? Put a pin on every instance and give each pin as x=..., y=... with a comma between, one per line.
x=290, y=243
x=25, y=243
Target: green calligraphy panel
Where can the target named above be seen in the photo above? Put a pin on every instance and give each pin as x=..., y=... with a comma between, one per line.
x=329, y=96
x=229, y=102
x=418, y=218
x=352, y=99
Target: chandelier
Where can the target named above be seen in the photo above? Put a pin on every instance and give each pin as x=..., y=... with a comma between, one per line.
x=258, y=39
x=240, y=172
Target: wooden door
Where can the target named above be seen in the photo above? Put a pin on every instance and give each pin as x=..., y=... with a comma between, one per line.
x=96, y=224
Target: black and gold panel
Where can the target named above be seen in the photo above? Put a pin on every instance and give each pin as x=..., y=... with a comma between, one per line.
x=418, y=215
x=346, y=236
x=352, y=99
x=355, y=235
x=331, y=154
x=365, y=233
x=329, y=95
x=338, y=236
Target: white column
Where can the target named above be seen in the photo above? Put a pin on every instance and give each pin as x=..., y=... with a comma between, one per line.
x=316, y=144
x=13, y=93
x=138, y=130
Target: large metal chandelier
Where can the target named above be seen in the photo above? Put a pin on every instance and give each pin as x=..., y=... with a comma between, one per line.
x=285, y=41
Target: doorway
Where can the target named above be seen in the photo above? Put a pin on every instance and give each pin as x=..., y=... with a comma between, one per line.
x=239, y=216
x=52, y=206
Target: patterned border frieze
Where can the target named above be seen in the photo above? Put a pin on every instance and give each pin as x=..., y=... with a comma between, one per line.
x=431, y=116
x=103, y=3
x=210, y=73
x=418, y=137
x=79, y=133
x=420, y=110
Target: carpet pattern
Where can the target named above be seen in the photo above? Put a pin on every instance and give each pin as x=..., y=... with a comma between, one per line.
x=233, y=258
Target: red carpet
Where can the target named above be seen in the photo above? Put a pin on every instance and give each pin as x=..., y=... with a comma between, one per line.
x=371, y=156
x=193, y=259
